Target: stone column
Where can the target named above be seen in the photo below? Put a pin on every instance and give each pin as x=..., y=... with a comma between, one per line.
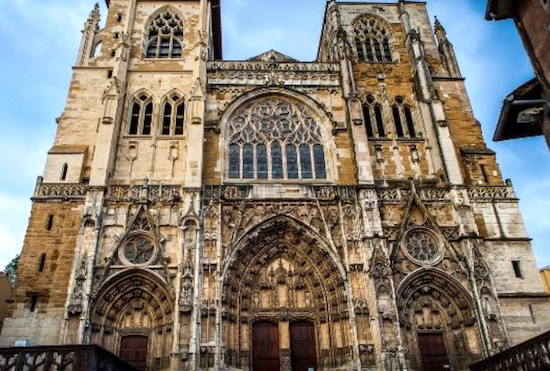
x=284, y=346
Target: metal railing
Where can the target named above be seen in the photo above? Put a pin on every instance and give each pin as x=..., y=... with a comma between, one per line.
x=532, y=355
x=61, y=358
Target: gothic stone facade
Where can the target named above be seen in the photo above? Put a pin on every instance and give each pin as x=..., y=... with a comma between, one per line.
x=341, y=214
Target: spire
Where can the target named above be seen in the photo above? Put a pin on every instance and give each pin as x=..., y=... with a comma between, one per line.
x=439, y=29
x=446, y=50
x=93, y=18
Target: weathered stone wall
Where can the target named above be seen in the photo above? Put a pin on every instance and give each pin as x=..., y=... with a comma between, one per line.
x=41, y=326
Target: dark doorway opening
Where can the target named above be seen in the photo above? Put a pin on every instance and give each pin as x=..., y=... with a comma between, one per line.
x=433, y=352
x=265, y=347
x=303, y=350
x=133, y=349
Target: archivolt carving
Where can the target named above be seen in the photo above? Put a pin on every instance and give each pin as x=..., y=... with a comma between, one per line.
x=134, y=302
x=432, y=300
x=280, y=271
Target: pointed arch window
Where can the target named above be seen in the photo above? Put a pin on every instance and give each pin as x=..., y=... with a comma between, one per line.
x=141, y=116
x=374, y=118
x=96, y=50
x=173, y=115
x=402, y=113
x=372, y=40
x=275, y=139
x=164, y=36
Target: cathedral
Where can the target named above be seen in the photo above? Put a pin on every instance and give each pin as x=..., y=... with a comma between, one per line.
x=269, y=214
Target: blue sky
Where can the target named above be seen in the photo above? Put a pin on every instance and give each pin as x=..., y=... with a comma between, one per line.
x=39, y=41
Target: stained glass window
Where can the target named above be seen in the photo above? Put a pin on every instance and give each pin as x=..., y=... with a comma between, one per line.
x=277, y=161
x=319, y=157
x=261, y=160
x=248, y=161
x=305, y=161
x=292, y=161
x=234, y=161
x=281, y=136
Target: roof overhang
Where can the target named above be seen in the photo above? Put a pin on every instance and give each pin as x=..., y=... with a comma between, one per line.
x=216, y=27
x=527, y=101
x=500, y=9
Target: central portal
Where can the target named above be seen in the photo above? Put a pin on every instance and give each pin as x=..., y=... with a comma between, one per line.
x=265, y=347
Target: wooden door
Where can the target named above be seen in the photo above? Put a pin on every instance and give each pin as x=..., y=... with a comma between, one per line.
x=303, y=350
x=133, y=350
x=433, y=352
x=265, y=347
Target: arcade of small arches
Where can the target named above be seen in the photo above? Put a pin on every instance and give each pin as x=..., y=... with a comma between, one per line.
x=376, y=123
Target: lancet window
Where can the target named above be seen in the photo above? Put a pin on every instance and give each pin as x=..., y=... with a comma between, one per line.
x=164, y=36
x=141, y=116
x=173, y=115
x=372, y=40
x=275, y=139
x=403, y=119
x=374, y=119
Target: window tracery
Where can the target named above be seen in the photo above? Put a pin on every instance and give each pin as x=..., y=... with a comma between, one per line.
x=274, y=138
x=422, y=246
x=402, y=113
x=141, y=115
x=164, y=36
x=138, y=250
x=372, y=40
x=173, y=117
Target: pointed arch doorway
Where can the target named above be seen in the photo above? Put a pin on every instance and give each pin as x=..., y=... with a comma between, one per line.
x=283, y=273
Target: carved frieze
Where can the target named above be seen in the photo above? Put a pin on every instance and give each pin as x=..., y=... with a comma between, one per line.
x=263, y=73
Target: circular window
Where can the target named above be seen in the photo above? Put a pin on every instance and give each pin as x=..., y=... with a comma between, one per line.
x=422, y=246
x=138, y=250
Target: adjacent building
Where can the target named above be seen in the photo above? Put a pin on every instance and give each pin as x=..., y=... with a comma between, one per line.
x=270, y=214
x=5, y=295
x=545, y=273
x=526, y=110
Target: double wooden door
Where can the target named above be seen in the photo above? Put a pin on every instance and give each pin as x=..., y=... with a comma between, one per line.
x=433, y=352
x=266, y=348
x=133, y=349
